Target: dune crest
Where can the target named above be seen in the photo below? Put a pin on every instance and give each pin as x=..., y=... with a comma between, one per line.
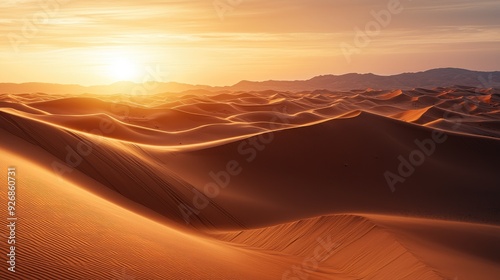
x=213, y=185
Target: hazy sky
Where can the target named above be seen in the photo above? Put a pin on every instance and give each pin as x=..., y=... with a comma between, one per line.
x=99, y=42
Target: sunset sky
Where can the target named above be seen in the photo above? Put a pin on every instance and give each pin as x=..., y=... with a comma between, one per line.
x=100, y=42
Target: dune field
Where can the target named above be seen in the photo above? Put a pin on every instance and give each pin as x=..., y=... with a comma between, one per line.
x=360, y=184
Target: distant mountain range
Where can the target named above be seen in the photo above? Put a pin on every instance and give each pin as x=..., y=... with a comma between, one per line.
x=442, y=77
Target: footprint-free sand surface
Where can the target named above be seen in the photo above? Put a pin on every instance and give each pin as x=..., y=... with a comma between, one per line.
x=254, y=185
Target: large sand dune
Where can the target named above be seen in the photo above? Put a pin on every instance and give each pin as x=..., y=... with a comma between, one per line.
x=399, y=184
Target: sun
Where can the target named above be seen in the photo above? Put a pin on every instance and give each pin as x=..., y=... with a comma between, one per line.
x=122, y=69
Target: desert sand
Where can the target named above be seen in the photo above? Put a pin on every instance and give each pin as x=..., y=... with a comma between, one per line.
x=254, y=185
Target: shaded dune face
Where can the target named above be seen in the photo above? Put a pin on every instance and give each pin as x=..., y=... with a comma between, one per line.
x=323, y=185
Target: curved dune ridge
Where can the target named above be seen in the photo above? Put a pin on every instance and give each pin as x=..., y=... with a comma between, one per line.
x=255, y=185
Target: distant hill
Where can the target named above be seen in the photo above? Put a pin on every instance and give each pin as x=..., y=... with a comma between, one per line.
x=442, y=77
x=119, y=87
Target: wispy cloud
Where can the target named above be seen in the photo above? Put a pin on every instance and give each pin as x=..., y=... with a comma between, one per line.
x=279, y=36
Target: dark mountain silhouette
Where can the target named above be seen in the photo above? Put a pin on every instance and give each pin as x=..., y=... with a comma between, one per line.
x=442, y=77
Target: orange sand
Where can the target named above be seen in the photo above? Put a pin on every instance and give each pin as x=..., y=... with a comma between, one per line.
x=112, y=187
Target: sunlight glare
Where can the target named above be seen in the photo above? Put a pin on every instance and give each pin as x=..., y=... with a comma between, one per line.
x=122, y=69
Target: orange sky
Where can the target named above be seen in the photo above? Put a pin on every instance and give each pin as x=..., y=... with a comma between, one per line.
x=100, y=42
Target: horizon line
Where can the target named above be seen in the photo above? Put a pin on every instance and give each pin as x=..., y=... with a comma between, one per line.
x=244, y=80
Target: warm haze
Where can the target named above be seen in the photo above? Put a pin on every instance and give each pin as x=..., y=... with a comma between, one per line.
x=100, y=42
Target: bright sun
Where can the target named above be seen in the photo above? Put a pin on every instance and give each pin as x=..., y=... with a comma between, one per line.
x=122, y=69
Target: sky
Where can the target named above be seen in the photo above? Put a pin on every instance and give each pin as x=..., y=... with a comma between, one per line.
x=222, y=42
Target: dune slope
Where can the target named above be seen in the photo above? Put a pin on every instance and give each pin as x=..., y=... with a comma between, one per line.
x=256, y=185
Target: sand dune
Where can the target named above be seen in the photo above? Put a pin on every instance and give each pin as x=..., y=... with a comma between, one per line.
x=256, y=185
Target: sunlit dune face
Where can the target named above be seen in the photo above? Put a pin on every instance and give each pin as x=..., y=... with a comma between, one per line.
x=122, y=69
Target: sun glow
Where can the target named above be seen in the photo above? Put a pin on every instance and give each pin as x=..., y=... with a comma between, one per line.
x=122, y=69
